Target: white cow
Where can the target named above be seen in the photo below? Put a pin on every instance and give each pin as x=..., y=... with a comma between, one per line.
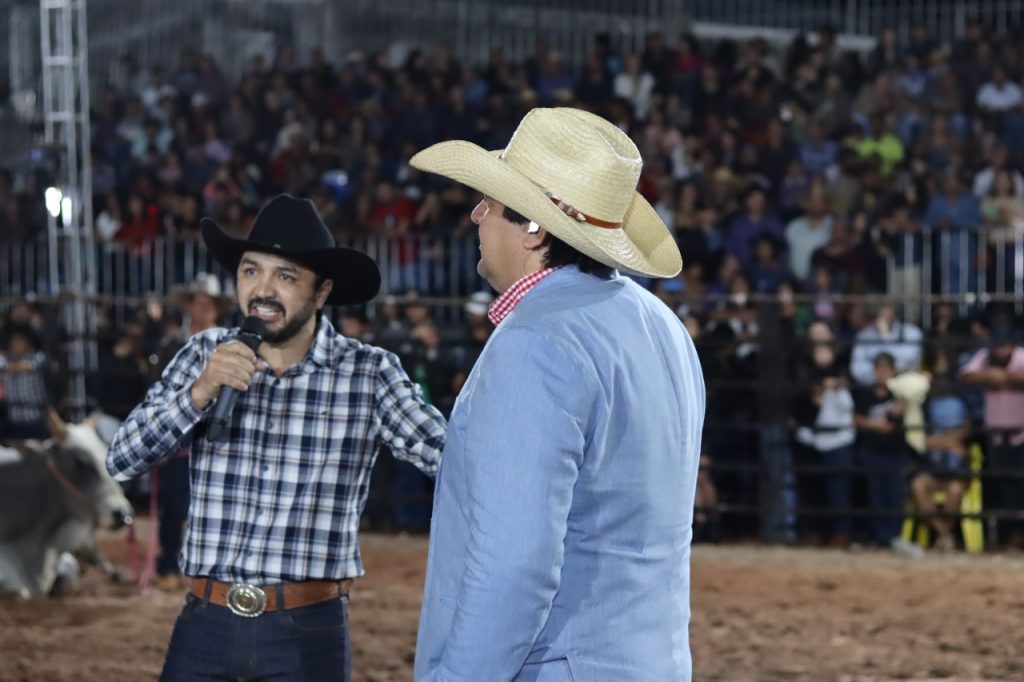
x=54, y=495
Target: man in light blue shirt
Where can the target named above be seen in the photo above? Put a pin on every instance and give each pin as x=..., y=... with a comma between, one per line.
x=560, y=539
x=886, y=334
x=808, y=233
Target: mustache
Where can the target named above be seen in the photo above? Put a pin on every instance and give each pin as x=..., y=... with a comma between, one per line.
x=267, y=303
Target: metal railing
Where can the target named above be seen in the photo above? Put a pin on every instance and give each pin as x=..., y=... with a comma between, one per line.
x=969, y=267
x=944, y=20
x=750, y=439
x=126, y=275
x=975, y=263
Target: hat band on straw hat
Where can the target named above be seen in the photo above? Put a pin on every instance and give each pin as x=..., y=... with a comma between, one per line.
x=579, y=216
x=561, y=168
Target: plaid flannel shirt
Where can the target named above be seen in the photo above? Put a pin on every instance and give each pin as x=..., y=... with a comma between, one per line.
x=25, y=391
x=279, y=499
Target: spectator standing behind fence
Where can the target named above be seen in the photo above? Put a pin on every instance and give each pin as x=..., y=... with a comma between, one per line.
x=1003, y=211
x=902, y=241
x=900, y=340
x=882, y=144
x=635, y=85
x=998, y=96
x=478, y=330
x=24, y=370
x=768, y=272
x=204, y=304
x=825, y=412
x=883, y=451
x=809, y=232
x=998, y=162
x=122, y=375
x=755, y=220
x=954, y=216
x=999, y=369
x=391, y=214
x=944, y=466
x=426, y=362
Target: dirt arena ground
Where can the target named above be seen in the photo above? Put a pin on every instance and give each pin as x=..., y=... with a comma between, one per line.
x=759, y=615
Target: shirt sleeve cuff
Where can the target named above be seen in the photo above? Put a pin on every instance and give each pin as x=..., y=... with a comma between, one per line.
x=188, y=409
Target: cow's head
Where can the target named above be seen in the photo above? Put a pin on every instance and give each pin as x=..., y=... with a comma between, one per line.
x=88, y=453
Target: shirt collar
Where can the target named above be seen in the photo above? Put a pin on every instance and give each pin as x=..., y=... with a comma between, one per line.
x=325, y=350
x=503, y=306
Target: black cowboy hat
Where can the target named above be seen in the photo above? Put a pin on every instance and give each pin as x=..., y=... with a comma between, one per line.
x=291, y=228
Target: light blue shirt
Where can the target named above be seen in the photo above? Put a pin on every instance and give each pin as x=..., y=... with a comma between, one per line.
x=803, y=241
x=560, y=539
x=903, y=342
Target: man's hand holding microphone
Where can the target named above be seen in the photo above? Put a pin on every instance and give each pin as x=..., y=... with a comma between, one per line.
x=229, y=372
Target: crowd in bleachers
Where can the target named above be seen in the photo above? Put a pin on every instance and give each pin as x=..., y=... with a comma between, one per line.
x=805, y=171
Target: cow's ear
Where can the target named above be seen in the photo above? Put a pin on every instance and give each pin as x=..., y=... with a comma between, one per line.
x=58, y=427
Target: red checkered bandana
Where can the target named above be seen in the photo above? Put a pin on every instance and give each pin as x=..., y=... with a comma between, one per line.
x=507, y=302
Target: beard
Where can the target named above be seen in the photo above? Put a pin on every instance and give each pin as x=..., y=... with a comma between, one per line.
x=290, y=325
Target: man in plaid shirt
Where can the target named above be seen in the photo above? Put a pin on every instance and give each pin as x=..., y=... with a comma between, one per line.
x=271, y=541
x=23, y=377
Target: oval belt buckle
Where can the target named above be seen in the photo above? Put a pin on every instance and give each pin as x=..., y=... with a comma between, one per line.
x=246, y=600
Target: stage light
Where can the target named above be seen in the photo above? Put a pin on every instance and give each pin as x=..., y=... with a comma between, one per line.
x=53, y=199
x=65, y=209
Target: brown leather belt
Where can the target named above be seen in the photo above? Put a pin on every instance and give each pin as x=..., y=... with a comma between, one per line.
x=249, y=600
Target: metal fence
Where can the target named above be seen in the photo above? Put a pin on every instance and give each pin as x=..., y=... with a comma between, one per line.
x=441, y=268
x=749, y=433
x=972, y=265
x=944, y=20
x=976, y=263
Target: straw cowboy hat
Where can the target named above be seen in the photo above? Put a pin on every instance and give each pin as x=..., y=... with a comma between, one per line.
x=575, y=174
x=292, y=228
x=205, y=283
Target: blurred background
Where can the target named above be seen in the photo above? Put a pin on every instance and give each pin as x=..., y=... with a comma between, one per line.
x=843, y=178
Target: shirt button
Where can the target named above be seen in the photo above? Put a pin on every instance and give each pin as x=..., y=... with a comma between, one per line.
x=266, y=467
x=248, y=553
x=271, y=425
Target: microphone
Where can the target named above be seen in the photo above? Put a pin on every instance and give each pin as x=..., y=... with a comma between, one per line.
x=251, y=334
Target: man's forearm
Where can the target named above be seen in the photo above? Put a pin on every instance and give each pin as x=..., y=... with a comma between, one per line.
x=152, y=431
x=413, y=429
x=978, y=378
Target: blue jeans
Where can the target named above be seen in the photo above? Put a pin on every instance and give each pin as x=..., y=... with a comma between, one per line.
x=887, y=492
x=305, y=644
x=839, y=486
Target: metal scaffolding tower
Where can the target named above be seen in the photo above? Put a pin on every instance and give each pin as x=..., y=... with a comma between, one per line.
x=72, y=263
